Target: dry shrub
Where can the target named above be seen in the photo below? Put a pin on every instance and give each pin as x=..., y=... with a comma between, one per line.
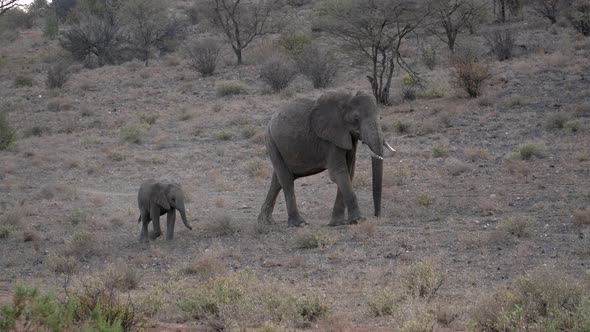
x=12, y=218
x=221, y=225
x=416, y=317
x=293, y=43
x=382, y=302
x=422, y=279
x=133, y=133
x=23, y=81
x=557, y=120
x=519, y=226
x=83, y=245
x=528, y=151
x=58, y=74
x=278, y=73
x=318, y=65
x=467, y=73
x=428, y=57
x=204, y=55
x=62, y=264
x=539, y=300
x=455, y=166
x=501, y=43
x=309, y=238
x=256, y=168
x=582, y=109
x=229, y=88
x=205, y=268
x=239, y=300
x=424, y=199
x=474, y=154
x=364, y=230
x=440, y=151
x=582, y=217
x=121, y=277
x=579, y=16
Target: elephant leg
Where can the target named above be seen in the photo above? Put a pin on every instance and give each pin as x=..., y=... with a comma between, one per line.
x=287, y=183
x=341, y=175
x=171, y=218
x=155, y=214
x=145, y=220
x=265, y=216
x=339, y=206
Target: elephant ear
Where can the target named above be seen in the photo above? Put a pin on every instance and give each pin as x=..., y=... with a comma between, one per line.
x=327, y=120
x=160, y=196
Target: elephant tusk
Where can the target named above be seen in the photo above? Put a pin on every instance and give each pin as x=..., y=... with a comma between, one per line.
x=389, y=147
x=374, y=155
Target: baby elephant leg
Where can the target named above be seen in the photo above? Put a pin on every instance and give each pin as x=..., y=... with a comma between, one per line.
x=171, y=218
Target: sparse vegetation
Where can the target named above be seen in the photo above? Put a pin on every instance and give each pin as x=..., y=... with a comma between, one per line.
x=582, y=217
x=440, y=151
x=57, y=75
x=455, y=166
x=424, y=199
x=529, y=151
x=579, y=16
x=7, y=133
x=23, y=81
x=221, y=224
x=382, y=302
x=501, y=43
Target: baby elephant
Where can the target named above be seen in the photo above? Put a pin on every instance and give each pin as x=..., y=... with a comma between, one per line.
x=156, y=198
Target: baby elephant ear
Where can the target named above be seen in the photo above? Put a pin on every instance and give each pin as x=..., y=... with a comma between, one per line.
x=327, y=121
x=160, y=197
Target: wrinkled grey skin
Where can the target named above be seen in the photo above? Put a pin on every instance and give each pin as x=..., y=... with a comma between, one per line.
x=308, y=137
x=158, y=198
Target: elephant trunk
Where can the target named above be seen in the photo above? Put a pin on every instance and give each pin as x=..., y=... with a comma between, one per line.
x=183, y=216
x=373, y=137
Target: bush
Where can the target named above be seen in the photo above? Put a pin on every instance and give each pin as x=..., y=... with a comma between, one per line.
x=7, y=133
x=501, y=43
x=36, y=312
x=278, y=73
x=468, y=73
x=51, y=28
x=22, y=81
x=228, y=88
x=17, y=18
x=579, y=16
x=203, y=56
x=318, y=65
x=542, y=300
x=309, y=310
x=528, y=151
x=57, y=75
x=309, y=239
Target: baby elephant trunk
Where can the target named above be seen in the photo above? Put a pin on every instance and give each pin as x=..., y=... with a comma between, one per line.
x=183, y=216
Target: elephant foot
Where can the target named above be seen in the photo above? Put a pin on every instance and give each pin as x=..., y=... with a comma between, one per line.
x=265, y=219
x=355, y=219
x=296, y=221
x=155, y=235
x=144, y=239
x=337, y=221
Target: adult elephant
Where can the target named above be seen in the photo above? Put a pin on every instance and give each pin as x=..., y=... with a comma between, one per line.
x=310, y=136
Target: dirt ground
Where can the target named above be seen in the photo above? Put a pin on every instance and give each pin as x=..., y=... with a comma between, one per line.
x=452, y=197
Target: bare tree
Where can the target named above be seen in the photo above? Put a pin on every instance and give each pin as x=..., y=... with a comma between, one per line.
x=147, y=23
x=6, y=5
x=243, y=20
x=374, y=31
x=454, y=16
x=513, y=6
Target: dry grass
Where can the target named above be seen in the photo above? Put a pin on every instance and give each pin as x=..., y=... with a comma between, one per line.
x=256, y=168
x=364, y=230
x=528, y=151
x=518, y=226
x=440, y=151
x=455, y=166
x=229, y=88
x=476, y=154
x=424, y=199
x=205, y=268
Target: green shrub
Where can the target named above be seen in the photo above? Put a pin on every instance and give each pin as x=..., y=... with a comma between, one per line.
x=382, y=303
x=228, y=88
x=51, y=28
x=310, y=309
x=149, y=119
x=402, y=126
x=529, y=151
x=23, y=81
x=36, y=312
x=440, y=151
x=7, y=133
